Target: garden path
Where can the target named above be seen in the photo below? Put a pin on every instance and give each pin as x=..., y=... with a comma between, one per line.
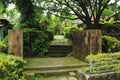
x=56, y=68
x=60, y=40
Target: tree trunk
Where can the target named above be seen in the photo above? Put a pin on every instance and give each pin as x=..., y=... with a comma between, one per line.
x=89, y=25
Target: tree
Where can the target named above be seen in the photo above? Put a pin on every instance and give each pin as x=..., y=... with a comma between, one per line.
x=85, y=10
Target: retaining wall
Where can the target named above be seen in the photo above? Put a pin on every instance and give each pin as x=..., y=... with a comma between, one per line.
x=100, y=76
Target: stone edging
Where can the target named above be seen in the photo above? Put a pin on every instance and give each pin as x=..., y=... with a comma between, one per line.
x=101, y=76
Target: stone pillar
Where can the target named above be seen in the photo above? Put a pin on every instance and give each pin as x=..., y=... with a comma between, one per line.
x=15, y=42
x=86, y=42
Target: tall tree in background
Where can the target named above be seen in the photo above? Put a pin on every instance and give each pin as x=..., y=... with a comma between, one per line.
x=85, y=10
x=26, y=8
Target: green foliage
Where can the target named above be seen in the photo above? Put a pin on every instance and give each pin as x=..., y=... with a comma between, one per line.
x=55, y=25
x=111, y=21
x=99, y=56
x=84, y=10
x=103, y=62
x=50, y=35
x=110, y=44
x=107, y=12
x=57, y=29
x=68, y=31
x=2, y=9
x=35, y=42
x=10, y=67
x=40, y=45
x=3, y=47
x=111, y=27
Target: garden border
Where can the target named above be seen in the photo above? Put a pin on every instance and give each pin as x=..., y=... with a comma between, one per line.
x=99, y=76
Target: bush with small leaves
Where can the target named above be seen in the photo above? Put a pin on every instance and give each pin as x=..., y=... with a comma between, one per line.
x=11, y=67
x=110, y=44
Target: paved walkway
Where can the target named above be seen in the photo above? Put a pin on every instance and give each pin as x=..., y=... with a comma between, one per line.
x=60, y=40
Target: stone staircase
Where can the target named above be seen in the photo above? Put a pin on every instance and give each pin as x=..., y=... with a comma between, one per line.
x=50, y=70
x=59, y=50
x=60, y=46
x=51, y=66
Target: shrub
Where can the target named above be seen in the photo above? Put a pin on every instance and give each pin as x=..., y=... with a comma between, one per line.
x=35, y=43
x=10, y=67
x=111, y=28
x=3, y=47
x=50, y=35
x=102, y=55
x=40, y=46
x=57, y=29
x=110, y=44
x=68, y=31
x=103, y=62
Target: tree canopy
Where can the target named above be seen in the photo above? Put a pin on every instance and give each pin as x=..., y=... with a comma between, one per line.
x=89, y=11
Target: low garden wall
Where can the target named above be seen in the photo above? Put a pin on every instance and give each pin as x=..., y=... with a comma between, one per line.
x=100, y=76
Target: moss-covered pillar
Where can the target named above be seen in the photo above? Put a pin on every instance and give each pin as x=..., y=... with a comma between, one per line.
x=86, y=42
x=15, y=42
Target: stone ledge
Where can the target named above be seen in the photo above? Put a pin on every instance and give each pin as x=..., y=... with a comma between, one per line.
x=100, y=76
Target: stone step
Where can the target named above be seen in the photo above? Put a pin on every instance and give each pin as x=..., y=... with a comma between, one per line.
x=49, y=72
x=68, y=78
x=59, y=51
x=57, y=67
x=60, y=47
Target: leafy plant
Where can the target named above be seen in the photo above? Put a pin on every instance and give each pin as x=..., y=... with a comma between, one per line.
x=110, y=44
x=10, y=67
x=68, y=31
x=111, y=27
x=103, y=62
x=36, y=44
x=3, y=47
